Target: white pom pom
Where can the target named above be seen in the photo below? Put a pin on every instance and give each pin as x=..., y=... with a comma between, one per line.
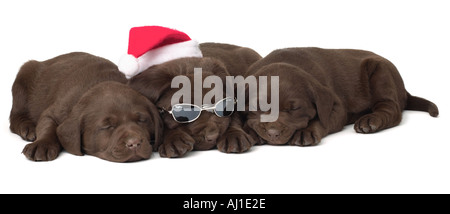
x=128, y=65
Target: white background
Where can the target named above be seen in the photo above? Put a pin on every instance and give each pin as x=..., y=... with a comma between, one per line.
x=411, y=158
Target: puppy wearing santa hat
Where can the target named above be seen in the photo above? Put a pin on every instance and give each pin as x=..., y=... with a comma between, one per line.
x=155, y=56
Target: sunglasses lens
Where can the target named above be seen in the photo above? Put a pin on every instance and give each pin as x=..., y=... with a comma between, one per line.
x=225, y=107
x=185, y=113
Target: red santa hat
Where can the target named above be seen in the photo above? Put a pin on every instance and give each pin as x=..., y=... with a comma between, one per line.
x=152, y=45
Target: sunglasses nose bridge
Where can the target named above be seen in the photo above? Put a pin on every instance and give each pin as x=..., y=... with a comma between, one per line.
x=208, y=108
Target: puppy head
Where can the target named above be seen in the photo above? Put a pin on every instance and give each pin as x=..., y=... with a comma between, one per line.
x=113, y=122
x=155, y=84
x=301, y=99
x=205, y=130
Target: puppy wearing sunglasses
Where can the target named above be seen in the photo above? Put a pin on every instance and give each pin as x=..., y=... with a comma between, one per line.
x=189, y=126
x=237, y=61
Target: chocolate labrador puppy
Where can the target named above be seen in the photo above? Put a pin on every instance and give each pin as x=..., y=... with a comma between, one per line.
x=237, y=60
x=188, y=126
x=322, y=90
x=80, y=102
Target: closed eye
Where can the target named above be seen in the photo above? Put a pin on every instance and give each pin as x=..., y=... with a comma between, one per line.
x=291, y=109
x=108, y=123
x=141, y=117
x=107, y=127
x=142, y=120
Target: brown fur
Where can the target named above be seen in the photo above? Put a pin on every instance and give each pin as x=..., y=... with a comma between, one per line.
x=79, y=102
x=321, y=90
x=236, y=59
x=180, y=138
x=208, y=131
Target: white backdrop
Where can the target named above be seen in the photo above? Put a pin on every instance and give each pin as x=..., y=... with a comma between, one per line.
x=411, y=158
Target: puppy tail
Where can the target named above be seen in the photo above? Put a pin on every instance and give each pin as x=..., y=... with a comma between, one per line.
x=421, y=104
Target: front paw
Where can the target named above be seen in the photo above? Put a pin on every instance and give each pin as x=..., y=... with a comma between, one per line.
x=235, y=141
x=369, y=123
x=176, y=145
x=41, y=151
x=26, y=130
x=306, y=137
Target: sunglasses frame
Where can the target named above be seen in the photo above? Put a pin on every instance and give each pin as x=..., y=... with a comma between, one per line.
x=202, y=108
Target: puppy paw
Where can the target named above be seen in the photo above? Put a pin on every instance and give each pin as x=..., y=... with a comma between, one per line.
x=235, y=141
x=41, y=151
x=26, y=130
x=306, y=137
x=176, y=146
x=368, y=124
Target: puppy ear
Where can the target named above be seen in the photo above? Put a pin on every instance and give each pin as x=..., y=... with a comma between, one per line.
x=329, y=107
x=151, y=83
x=159, y=125
x=216, y=67
x=69, y=132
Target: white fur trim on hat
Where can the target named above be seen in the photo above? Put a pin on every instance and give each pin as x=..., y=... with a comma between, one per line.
x=131, y=66
x=128, y=65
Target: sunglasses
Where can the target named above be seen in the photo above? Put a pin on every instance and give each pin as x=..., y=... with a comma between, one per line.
x=186, y=112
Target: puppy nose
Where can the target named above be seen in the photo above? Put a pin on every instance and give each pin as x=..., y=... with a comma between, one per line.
x=211, y=137
x=133, y=142
x=273, y=133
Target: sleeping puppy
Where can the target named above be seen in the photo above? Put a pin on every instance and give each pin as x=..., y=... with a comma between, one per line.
x=79, y=102
x=322, y=90
x=237, y=60
x=206, y=125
